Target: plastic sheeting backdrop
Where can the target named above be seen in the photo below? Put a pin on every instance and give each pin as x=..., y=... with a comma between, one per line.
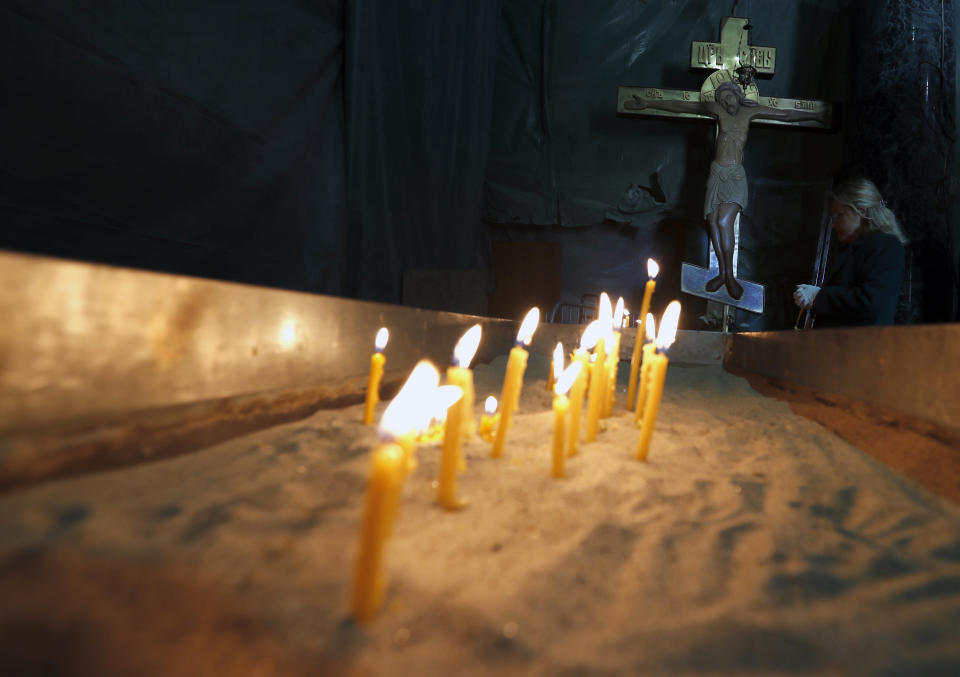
x=200, y=138
x=420, y=83
x=561, y=157
x=324, y=146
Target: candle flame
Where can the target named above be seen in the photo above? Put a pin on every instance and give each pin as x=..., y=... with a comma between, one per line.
x=566, y=379
x=626, y=319
x=605, y=315
x=651, y=327
x=653, y=269
x=443, y=398
x=490, y=405
x=466, y=347
x=668, y=326
x=618, y=314
x=590, y=336
x=528, y=326
x=558, y=361
x=405, y=413
x=381, y=341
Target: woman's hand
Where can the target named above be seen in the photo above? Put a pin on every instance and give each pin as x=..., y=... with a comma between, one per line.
x=804, y=295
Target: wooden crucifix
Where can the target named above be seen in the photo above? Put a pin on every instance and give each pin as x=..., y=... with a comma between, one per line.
x=729, y=97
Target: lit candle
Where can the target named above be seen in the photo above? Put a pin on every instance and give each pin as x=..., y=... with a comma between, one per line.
x=658, y=372
x=556, y=365
x=605, y=315
x=553, y=374
x=421, y=382
x=652, y=271
x=461, y=375
x=560, y=406
x=376, y=373
x=388, y=469
x=595, y=395
x=451, y=459
x=489, y=419
x=613, y=358
x=649, y=346
x=582, y=356
x=598, y=370
x=513, y=379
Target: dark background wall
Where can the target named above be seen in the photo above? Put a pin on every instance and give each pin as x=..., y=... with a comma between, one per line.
x=200, y=138
x=332, y=146
x=902, y=131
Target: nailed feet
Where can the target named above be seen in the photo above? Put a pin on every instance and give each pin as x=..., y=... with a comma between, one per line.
x=734, y=288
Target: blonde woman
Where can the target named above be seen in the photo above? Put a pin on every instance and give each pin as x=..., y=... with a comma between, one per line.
x=863, y=278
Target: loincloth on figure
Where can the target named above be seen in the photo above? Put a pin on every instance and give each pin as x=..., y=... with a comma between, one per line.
x=725, y=184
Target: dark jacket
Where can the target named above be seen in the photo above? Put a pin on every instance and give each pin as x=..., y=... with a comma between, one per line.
x=862, y=283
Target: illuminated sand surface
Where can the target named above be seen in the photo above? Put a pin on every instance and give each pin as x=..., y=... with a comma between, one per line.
x=752, y=541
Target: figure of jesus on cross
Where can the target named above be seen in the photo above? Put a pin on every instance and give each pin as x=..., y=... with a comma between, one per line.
x=727, y=184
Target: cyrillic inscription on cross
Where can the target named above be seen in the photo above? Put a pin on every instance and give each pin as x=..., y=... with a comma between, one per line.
x=730, y=98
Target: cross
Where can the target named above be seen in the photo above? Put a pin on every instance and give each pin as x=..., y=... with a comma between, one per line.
x=734, y=64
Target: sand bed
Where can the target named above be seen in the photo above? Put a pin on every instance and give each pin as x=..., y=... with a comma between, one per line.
x=752, y=541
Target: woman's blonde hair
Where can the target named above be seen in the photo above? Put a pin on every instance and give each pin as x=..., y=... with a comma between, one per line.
x=862, y=196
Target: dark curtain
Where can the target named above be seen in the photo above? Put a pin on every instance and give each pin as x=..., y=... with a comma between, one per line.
x=420, y=78
x=214, y=138
x=203, y=138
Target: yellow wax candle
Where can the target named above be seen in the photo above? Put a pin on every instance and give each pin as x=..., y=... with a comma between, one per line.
x=509, y=397
x=387, y=471
x=580, y=357
x=613, y=363
x=513, y=379
x=468, y=425
x=461, y=375
x=658, y=372
x=648, y=347
x=489, y=419
x=560, y=407
x=451, y=459
x=644, y=388
x=652, y=270
x=605, y=317
x=595, y=396
x=550, y=379
x=377, y=361
x=613, y=359
x=634, y=367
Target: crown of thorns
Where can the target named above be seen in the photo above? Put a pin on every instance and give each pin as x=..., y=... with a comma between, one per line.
x=731, y=87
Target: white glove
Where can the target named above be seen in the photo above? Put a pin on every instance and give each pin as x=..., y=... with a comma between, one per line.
x=804, y=295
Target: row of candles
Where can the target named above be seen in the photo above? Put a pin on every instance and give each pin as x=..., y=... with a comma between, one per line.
x=423, y=409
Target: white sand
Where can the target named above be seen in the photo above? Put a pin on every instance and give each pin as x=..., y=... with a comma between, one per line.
x=752, y=541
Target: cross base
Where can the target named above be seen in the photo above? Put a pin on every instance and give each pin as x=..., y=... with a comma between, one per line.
x=694, y=278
